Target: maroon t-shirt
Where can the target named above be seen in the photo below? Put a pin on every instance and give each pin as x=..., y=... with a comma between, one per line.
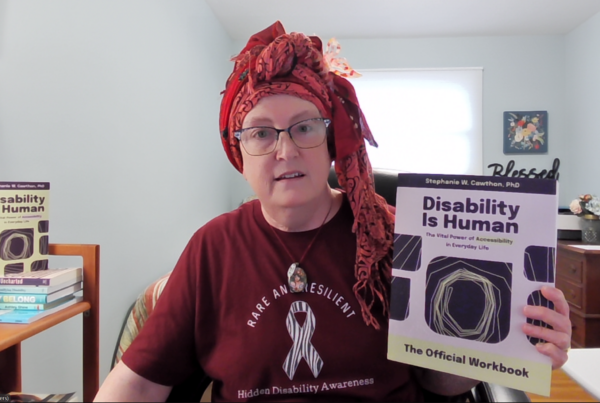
x=227, y=308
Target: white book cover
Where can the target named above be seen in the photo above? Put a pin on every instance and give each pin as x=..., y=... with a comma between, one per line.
x=469, y=253
x=24, y=225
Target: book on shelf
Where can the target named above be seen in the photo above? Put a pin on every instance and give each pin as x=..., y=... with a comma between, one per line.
x=26, y=316
x=39, y=397
x=37, y=289
x=469, y=253
x=21, y=306
x=48, y=277
x=38, y=297
x=24, y=226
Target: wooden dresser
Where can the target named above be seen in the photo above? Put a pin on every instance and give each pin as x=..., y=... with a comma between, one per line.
x=578, y=277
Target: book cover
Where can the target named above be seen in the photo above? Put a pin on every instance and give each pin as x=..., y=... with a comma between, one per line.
x=41, y=298
x=21, y=316
x=43, y=277
x=469, y=253
x=23, y=226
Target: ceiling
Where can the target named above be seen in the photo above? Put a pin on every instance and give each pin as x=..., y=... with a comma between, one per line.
x=404, y=18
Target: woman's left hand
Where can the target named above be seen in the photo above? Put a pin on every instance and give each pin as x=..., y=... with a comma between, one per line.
x=558, y=339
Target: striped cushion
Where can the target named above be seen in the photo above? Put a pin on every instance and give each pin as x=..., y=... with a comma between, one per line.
x=143, y=307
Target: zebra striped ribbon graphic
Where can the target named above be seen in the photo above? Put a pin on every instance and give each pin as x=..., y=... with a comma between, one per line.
x=301, y=336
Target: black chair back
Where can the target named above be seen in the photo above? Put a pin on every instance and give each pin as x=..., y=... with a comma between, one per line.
x=386, y=183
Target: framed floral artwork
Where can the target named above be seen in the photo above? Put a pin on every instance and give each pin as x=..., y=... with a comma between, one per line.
x=526, y=132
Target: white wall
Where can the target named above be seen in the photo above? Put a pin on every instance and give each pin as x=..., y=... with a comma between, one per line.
x=582, y=135
x=116, y=105
x=519, y=73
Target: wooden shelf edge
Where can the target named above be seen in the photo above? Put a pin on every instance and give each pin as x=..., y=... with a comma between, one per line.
x=12, y=333
x=91, y=321
x=568, y=246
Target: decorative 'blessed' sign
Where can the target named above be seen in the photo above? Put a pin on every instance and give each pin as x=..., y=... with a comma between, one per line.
x=524, y=173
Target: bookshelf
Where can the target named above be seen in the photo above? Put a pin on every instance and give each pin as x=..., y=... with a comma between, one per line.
x=11, y=335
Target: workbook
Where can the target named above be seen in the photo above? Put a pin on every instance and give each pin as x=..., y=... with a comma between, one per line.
x=469, y=253
x=24, y=226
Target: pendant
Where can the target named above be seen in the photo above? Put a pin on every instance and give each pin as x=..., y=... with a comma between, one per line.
x=297, y=278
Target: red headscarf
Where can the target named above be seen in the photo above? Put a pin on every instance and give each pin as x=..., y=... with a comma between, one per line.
x=274, y=62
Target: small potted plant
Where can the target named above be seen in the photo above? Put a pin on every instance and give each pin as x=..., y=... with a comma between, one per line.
x=588, y=208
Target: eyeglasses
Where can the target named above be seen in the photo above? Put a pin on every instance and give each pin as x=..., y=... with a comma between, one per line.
x=262, y=140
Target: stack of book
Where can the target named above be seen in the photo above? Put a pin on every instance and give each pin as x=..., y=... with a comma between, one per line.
x=27, y=297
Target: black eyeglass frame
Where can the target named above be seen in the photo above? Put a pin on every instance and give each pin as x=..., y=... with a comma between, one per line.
x=238, y=134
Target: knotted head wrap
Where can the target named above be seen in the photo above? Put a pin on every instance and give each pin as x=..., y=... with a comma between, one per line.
x=275, y=62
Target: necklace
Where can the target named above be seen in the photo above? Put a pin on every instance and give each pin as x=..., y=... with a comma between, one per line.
x=296, y=276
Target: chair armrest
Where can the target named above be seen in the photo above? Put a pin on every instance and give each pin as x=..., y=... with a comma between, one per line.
x=489, y=392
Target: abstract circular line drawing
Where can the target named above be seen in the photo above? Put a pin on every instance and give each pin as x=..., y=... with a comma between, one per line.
x=540, y=263
x=400, y=297
x=469, y=298
x=14, y=268
x=44, y=245
x=407, y=252
x=43, y=226
x=487, y=319
x=39, y=265
x=16, y=244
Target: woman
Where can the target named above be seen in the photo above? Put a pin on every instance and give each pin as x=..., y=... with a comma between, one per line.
x=284, y=118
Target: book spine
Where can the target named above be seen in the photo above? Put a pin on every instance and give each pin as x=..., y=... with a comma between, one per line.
x=24, y=281
x=12, y=320
x=4, y=289
x=24, y=307
x=23, y=298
